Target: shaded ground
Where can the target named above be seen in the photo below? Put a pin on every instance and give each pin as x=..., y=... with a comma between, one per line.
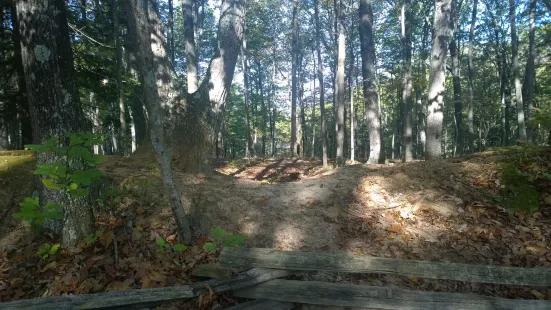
x=450, y=210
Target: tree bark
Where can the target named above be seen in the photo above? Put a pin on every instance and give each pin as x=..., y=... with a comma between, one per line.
x=322, y=86
x=249, y=148
x=371, y=95
x=170, y=31
x=407, y=83
x=456, y=77
x=516, y=72
x=530, y=74
x=120, y=86
x=53, y=99
x=437, y=78
x=340, y=88
x=263, y=107
x=189, y=46
x=294, y=54
x=470, y=108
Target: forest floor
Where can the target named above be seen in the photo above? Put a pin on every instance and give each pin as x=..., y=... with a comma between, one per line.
x=450, y=210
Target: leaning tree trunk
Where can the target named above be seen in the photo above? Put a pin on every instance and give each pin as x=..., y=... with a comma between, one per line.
x=437, y=78
x=175, y=121
x=340, y=91
x=516, y=72
x=371, y=95
x=407, y=84
x=53, y=99
x=322, y=87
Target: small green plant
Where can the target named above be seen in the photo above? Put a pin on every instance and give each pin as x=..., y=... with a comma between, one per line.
x=163, y=246
x=48, y=250
x=92, y=238
x=72, y=172
x=221, y=238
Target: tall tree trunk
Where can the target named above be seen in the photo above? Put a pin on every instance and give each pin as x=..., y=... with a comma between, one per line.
x=437, y=78
x=340, y=88
x=313, y=117
x=302, y=128
x=170, y=32
x=263, y=106
x=470, y=108
x=351, y=91
x=369, y=74
x=272, y=94
x=294, y=54
x=122, y=107
x=172, y=117
x=53, y=99
x=22, y=102
x=322, y=87
x=407, y=84
x=455, y=52
x=421, y=91
x=189, y=46
x=249, y=148
x=530, y=75
x=516, y=72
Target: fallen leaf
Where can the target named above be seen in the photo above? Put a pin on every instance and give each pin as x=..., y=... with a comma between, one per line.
x=106, y=238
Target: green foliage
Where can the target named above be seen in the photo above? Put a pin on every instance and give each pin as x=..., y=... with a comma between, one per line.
x=91, y=239
x=220, y=237
x=541, y=117
x=520, y=175
x=163, y=246
x=73, y=172
x=48, y=250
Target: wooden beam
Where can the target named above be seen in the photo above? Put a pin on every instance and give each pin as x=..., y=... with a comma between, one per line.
x=262, y=304
x=152, y=296
x=268, y=258
x=350, y=295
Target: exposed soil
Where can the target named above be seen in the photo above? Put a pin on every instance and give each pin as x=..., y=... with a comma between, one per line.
x=450, y=210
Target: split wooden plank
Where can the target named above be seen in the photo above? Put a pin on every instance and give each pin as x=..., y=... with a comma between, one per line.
x=349, y=295
x=263, y=304
x=310, y=261
x=212, y=271
x=153, y=296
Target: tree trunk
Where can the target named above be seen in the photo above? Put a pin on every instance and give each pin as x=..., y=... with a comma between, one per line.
x=351, y=88
x=294, y=54
x=170, y=31
x=470, y=108
x=530, y=75
x=122, y=107
x=437, y=78
x=272, y=94
x=420, y=92
x=340, y=88
x=189, y=46
x=456, y=78
x=371, y=95
x=516, y=72
x=53, y=99
x=313, y=117
x=322, y=87
x=407, y=84
x=249, y=148
x=264, y=108
x=184, y=121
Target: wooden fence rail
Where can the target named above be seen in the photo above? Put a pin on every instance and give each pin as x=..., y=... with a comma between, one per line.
x=309, y=261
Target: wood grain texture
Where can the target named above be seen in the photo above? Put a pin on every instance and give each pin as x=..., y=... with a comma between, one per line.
x=263, y=304
x=268, y=258
x=349, y=295
x=142, y=297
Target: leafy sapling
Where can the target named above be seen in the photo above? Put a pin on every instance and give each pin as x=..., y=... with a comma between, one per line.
x=48, y=250
x=221, y=238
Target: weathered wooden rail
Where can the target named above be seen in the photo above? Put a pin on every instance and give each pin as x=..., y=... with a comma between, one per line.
x=262, y=282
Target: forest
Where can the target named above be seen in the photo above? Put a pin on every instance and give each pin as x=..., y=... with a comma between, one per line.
x=141, y=141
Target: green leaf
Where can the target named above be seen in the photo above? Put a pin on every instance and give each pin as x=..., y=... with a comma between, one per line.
x=218, y=233
x=234, y=240
x=160, y=241
x=54, y=249
x=209, y=246
x=79, y=192
x=51, y=184
x=547, y=175
x=86, y=177
x=179, y=247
